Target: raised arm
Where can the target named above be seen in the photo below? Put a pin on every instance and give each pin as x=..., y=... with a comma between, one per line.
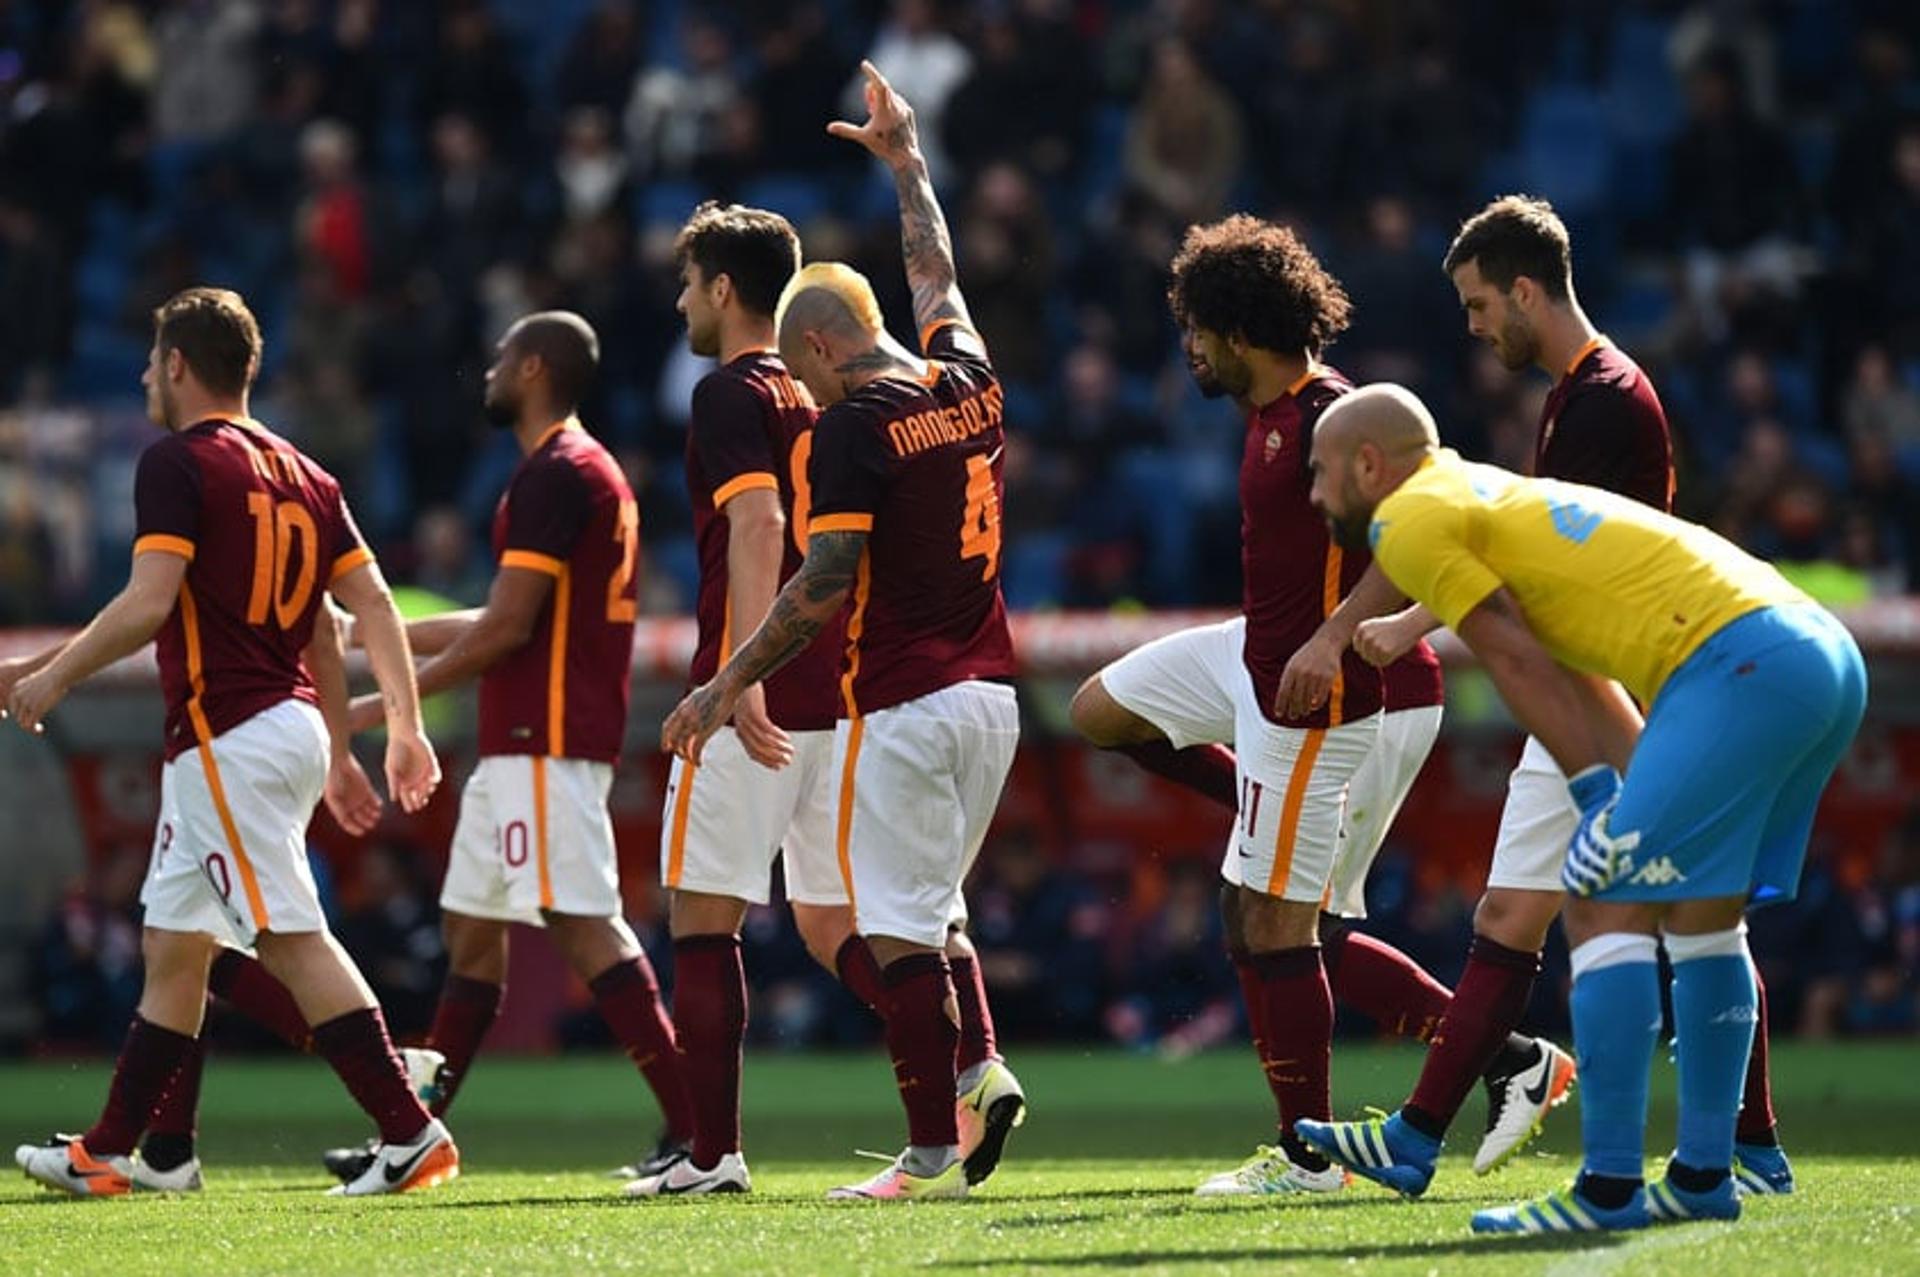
x=892, y=135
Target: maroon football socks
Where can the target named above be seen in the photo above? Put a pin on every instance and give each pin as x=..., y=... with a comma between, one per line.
x=357, y=1047
x=923, y=1041
x=977, y=1043
x=710, y=1020
x=629, y=1000
x=1208, y=770
x=1385, y=985
x=149, y=1058
x=256, y=994
x=465, y=1012
x=1487, y=1005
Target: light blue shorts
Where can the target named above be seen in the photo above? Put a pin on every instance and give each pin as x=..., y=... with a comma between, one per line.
x=1738, y=746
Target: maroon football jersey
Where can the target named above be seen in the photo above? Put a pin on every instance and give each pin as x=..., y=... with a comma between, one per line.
x=1292, y=574
x=1603, y=426
x=568, y=512
x=264, y=532
x=753, y=428
x=918, y=465
x=1414, y=680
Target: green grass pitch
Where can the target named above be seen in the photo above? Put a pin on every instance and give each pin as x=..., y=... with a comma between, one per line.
x=1099, y=1180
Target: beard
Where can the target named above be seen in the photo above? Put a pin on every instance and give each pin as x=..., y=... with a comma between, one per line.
x=503, y=413
x=1517, y=347
x=160, y=406
x=704, y=342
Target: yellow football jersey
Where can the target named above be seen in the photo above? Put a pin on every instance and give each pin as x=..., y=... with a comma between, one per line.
x=1608, y=585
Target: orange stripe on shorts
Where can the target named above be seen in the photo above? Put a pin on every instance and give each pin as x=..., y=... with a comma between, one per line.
x=1288, y=833
x=540, y=830
x=843, y=841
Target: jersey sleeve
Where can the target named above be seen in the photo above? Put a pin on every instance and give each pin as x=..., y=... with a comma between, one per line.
x=1421, y=543
x=953, y=341
x=730, y=438
x=1600, y=439
x=349, y=547
x=547, y=509
x=848, y=472
x=166, y=500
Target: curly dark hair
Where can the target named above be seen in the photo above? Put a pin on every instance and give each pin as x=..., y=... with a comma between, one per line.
x=756, y=249
x=1513, y=236
x=1255, y=279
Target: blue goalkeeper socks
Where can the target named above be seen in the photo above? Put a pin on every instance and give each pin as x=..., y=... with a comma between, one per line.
x=1616, y=1023
x=1714, y=1009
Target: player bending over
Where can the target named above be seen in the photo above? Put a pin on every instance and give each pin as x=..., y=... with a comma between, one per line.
x=1754, y=695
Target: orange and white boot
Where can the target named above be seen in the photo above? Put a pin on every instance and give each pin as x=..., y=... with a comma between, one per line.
x=64, y=1165
x=430, y=1160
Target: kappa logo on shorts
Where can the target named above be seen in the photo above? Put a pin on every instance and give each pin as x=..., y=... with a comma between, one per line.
x=1658, y=872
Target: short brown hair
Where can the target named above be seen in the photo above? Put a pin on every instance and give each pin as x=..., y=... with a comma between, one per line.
x=1513, y=236
x=215, y=333
x=758, y=250
x=1255, y=279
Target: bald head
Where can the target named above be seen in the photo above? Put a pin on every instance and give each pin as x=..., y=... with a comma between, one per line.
x=819, y=309
x=567, y=345
x=827, y=316
x=1365, y=446
x=1389, y=417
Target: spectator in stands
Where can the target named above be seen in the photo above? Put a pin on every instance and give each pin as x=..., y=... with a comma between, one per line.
x=1176, y=991
x=1006, y=239
x=203, y=55
x=392, y=928
x=590, y=169
x=602, y=59
x=1027, y=97
x=86, y=971
x=472, y=75
x=474, y=221
x=677, y=120
x=447, y=561
x=1733, y=197
x=798, y=83
x=926, y=64
x=1184, y=141
x=1889, y=253
x=333, y=230
x=1040, y=934
x=1878, y=404
x=35, y=300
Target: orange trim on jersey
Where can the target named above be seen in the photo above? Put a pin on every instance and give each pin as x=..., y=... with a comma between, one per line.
x=1289, y=830
x=1329, y=600
x=203, y=736
x=932, y=374
x=540, y=830
x=843, y=835
x=161, y=543
x=557, y=666
x=926, y=334
x=533, y=561
x=753, y=481
x=1580, y=356
x=839, y=523
x=677, y=839
x=565, y=423
x=856, y=626
x=726, y=630
x=358, y=556
x=1301, y=382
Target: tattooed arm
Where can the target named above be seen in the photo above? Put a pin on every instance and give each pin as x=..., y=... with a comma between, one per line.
x=801, y=610
x=892, y=135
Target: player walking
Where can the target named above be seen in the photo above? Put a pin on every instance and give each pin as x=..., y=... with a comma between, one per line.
x=553, y=650
x=238, y=537
x=906, y=475
x=1754, y=695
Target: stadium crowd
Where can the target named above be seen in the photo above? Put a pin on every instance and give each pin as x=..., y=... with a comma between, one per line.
x=390, y=183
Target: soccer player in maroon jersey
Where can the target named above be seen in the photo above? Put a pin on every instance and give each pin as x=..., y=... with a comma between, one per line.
x=238, y=537
x=906, y=474
x=1602, y=425
x=1321, y=770
x=553, y=650
x=763, y=786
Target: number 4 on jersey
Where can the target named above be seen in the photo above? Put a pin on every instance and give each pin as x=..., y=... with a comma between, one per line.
x=980, y=525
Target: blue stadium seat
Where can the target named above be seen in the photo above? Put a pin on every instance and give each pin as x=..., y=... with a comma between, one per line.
x=106, y=362
x=797, y=198
x=1643, y=93
x=666, y=203
x=1566, y=152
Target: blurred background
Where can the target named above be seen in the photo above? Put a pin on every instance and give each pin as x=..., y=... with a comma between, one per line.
x=390, y=183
